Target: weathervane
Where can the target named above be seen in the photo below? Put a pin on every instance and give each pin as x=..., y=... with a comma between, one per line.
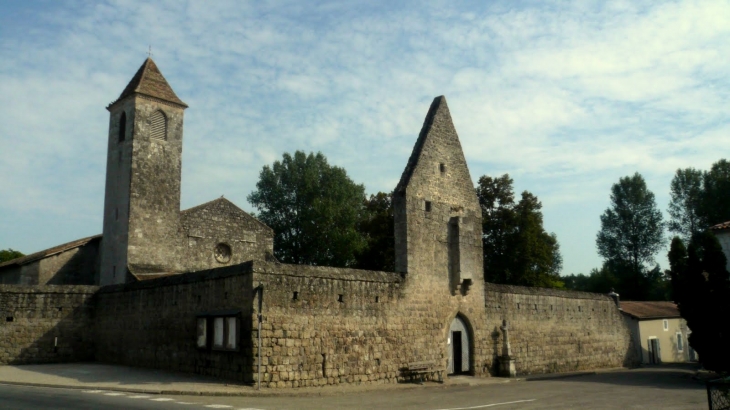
x=149, y=52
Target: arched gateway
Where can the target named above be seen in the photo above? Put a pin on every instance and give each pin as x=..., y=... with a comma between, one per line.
x=459, y=347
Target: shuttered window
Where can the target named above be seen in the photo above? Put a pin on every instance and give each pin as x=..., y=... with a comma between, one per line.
x=158, y=125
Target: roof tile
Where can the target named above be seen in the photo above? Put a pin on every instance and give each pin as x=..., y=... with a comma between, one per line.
x=149, y=81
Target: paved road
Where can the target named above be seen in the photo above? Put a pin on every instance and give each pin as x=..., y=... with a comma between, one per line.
x=648, y=388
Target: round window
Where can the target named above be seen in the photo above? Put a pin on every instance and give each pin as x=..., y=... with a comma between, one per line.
x=222, y=253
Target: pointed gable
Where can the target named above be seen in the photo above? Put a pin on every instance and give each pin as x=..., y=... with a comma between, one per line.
x=219, y=212
x=437, y=160
x=149, y=81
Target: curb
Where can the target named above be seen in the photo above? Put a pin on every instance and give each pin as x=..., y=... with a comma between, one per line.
x=558, y=376
x=264, y=393
x=252, y=393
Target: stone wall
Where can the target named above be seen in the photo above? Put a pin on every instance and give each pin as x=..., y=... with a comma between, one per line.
x=45, y=324
x=76, y=266
x=153, y=323
x=221, y=225
x=330, y=325
x=559, y=331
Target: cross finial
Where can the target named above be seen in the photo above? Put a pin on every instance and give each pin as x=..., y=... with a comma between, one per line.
x=149, y=52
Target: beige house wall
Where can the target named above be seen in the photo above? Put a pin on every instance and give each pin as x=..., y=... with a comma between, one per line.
x=643, y=330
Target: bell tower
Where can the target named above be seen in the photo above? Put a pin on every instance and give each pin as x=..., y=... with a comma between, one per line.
x=142, y=194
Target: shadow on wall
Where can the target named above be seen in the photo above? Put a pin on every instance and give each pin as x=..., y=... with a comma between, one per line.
x=80, y=269
x=73, y=263
x=181, y=323
x=46, y=325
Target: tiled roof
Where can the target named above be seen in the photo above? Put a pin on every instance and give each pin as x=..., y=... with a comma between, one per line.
x=149, y=81
x=49, y=252
x=720, y=226
x=650, y=310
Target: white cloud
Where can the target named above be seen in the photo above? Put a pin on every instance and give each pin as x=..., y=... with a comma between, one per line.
x=565, y=97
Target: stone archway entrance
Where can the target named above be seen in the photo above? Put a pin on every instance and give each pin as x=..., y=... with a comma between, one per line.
x=459, y=347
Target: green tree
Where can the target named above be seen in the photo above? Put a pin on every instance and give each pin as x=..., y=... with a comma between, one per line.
x=631, y=234
x=9, y=254
x=313, y=208
x=715, y=206
x=377, y=227
x=601, y=280
x=517, y=250
x=499, y=221
x=685, y=205
x=701, y=285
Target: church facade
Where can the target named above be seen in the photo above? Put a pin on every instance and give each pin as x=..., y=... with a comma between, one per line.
x=199, y=290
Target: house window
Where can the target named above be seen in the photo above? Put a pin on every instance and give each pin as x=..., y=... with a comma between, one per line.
x=666, y=324
x=158, y=125
x=218, y=331
x=680, y=342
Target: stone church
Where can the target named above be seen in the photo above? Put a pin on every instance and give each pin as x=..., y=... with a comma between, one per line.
x=199, y=290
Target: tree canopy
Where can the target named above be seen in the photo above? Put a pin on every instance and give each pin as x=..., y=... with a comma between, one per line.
x=377, y=226
x=314, y=209
x=9, y=254
x=699, y=199
x=631, y=234
x=685, y=203
x=517, y=249
x=701, y=287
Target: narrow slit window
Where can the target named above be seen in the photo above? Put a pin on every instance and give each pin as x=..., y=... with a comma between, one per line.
x=427, y=206
x=442, y=168
x=122, y=126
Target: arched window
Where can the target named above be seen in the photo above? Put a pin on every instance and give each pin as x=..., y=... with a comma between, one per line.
x=122, y=126
x=158, y=125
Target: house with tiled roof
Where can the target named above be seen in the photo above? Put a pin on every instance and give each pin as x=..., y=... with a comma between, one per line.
x=659, y=332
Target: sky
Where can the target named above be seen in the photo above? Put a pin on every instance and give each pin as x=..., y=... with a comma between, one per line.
x=565, y=97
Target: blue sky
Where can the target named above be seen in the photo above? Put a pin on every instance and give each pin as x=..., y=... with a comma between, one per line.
x=566, y=97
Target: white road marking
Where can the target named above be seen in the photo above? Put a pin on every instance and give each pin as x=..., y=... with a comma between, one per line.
x=92, y=391
x=490, y=405
x=218, y=406
x=183, y=402
x=162, y=399
x=249, y=408
x=139, y=397
x=115, y=394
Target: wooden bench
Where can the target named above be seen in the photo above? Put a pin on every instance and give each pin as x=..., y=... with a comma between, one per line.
x=421, y=369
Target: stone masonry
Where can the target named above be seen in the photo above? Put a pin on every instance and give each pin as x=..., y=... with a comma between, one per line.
x=45, y=324
x=319, y=325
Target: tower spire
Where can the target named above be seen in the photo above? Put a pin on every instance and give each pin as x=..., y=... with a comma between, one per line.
x=150, y=82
